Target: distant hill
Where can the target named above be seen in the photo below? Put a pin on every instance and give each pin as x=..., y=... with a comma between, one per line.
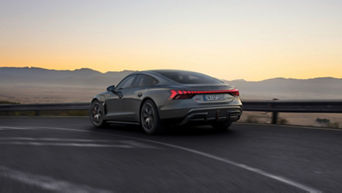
x=38, y=85
x=41, y=76
x=323, y=88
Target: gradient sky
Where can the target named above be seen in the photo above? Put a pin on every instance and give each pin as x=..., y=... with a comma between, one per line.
x=229, y=39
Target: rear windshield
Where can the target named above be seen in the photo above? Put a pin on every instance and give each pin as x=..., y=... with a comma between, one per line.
x=185, y=77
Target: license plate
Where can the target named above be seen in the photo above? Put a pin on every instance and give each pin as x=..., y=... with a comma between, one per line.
x=213, y=97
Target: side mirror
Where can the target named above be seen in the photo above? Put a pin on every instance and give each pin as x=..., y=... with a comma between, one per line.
x=111, y=88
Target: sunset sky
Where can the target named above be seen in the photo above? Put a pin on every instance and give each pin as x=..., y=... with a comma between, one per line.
x=229, y=39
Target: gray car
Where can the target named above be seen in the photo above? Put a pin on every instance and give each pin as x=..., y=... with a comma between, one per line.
x=161, y=97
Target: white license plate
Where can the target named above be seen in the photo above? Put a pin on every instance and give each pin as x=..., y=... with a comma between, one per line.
x=213, y=97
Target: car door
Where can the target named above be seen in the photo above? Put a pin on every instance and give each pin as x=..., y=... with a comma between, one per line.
x=142, y=85
x=118, y=107
x=130, y=101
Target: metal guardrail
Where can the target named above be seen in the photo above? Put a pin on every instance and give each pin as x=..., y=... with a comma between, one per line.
x=37, y=108
x=293, y=107
x=265, y=106
x=44, y=107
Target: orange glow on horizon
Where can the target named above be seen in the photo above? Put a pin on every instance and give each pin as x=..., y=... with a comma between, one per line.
x=225, y=39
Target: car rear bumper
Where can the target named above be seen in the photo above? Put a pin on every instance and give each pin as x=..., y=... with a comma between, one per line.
x=212, y=115
x=204, y=114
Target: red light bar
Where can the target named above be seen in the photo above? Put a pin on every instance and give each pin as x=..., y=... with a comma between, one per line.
x=173, y=94
x=184, y=94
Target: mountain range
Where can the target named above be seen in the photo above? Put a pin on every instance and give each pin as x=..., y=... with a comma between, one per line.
x=39, y=85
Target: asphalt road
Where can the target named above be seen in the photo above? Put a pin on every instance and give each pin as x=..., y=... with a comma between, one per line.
x=69, y=155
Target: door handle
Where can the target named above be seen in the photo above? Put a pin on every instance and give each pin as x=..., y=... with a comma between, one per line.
x=139, y=94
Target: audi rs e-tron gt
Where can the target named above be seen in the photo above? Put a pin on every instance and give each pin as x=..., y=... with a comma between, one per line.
x=160, y=97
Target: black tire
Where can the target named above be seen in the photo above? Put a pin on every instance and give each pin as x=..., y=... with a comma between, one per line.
x=149, y=118
x=222, y=126
x=96, y=114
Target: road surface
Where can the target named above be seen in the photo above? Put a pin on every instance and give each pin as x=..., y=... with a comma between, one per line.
x=68, y=155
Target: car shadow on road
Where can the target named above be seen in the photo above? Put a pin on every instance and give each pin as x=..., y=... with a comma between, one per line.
x=191, y=130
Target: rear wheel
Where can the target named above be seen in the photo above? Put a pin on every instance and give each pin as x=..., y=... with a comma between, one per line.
x=96, y=114
x=149, y=118
x=222, y=126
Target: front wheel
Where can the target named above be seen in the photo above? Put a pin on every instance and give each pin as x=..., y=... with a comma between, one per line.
x=149, y=118
x=96, y=114
x=222, y=126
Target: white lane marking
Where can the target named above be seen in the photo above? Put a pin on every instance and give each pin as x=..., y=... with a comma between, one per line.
x=130, y=143
x=138, y=144
x=67, y=144
x=243, y=166
x=13, y=128
x=227, y=161
x=73, y=143
x=48, y=183
x=211, y=156
x=51, y=139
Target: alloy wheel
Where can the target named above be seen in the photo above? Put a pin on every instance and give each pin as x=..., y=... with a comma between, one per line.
x=148, y=117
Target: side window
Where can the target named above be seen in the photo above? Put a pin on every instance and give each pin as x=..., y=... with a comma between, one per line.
x=146, y=81
x=126, y=83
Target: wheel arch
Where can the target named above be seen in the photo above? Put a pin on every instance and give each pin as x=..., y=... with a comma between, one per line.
x=141, y=104
x=94, y=99
x=101, y=100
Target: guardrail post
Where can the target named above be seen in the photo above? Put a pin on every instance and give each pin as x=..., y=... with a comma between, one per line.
x=274, y=117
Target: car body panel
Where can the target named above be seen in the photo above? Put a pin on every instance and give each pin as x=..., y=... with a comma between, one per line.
x=123, y=104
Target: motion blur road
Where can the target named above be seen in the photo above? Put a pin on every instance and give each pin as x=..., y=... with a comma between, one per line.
x=69, y=155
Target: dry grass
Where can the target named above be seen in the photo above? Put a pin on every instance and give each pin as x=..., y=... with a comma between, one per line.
x=304, y=119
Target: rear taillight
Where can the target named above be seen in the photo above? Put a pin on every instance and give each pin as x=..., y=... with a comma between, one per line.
x=235, y=92
x=187, y=94
x=181, y=94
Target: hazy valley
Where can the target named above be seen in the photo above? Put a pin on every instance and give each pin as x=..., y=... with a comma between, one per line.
x=38, y=85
